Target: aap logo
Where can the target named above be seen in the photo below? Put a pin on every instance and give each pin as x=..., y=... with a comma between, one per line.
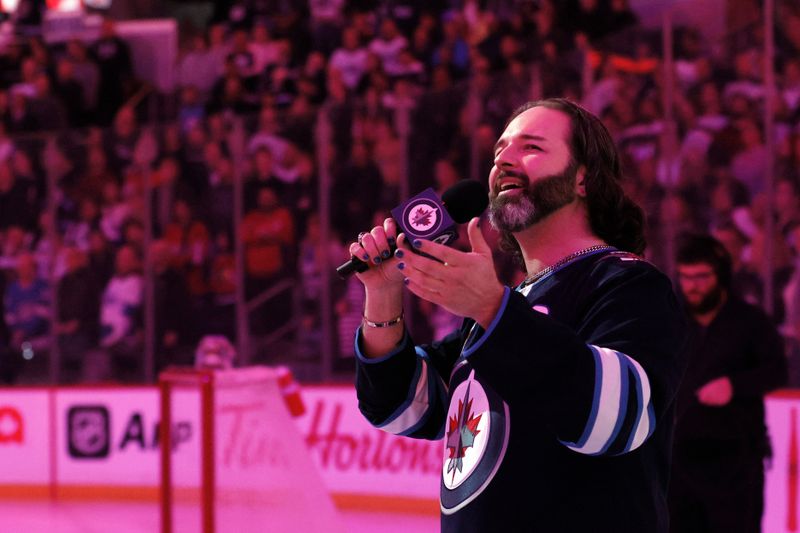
x=88, y=431
x=12, y=427
x=422, y=217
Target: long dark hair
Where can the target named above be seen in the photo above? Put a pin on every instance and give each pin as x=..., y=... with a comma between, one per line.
x=613, y=216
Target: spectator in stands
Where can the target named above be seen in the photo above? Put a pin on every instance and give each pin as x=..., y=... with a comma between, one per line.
x=26, y=306
x=101, y=256
x=745, y=283
x=197, y=66
x=20, y=117
x=77, y=232
x=70, y=93
x=120, y=142
x=174, y=333
x=748, y=76
x=242, y=56
x=78, y=312
x=164, y=182
x=268, y=233
x=453, y=50
x=262, y=174
x=313, y=254
x=26, y=84
x=7, y=146
x=18, y=200
x=387, y=153
x=113, y=57
x=86, y=73
x=268, y=134
x=222, y=287
x=326, y=24
x=121, y=316
x=114, y=211
x=265, y=49
x=230, y=95
x=192, y=110
x=189, y=241
x=360, y=178
x=790, y=86
x=748, y=165
x=49, y=113
x=192, y=158
x=349, y=61
x=388, y=45
x=787, y=204
x=279, y=79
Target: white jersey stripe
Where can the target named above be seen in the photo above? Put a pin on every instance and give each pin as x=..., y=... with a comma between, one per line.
x=643, y=425
x=608, y=406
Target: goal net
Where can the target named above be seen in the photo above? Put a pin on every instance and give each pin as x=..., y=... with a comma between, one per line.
x=247, y=469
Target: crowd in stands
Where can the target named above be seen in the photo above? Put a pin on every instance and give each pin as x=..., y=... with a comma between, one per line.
x=459, y=67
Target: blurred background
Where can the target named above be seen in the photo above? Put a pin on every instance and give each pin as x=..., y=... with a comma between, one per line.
x=171, y=170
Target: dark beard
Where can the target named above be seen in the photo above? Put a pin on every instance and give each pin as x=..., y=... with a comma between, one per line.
x=709, y=302
x=537, y=201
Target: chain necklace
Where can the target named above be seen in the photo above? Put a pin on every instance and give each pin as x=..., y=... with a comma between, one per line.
x=533, y=278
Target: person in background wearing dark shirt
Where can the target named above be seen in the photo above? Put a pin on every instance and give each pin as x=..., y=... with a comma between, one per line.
x=735, y=357
x=113, y=57
x=78, y=312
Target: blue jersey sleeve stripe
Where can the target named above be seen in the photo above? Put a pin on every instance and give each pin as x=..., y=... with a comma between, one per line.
x=411, y=412
x=598, y=382
x=477, y=344
x=644, y=421
x=606, y=408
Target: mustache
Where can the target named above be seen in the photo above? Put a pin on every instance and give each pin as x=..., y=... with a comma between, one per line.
x=509, y=174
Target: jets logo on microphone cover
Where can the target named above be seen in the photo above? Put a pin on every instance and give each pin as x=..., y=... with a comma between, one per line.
x=423, y=217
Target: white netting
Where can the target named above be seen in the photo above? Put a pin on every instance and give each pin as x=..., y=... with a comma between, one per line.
x=265, y=480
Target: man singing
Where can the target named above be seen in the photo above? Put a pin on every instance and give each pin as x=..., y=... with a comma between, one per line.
x=555, y=399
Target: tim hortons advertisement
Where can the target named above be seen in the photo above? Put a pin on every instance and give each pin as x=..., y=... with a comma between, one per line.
x=24, y=437
x=356, y=458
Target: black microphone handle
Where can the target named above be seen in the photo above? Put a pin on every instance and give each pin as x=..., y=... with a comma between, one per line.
x=354, y=264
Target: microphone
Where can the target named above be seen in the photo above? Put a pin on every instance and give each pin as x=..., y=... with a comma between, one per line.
x=425, y=216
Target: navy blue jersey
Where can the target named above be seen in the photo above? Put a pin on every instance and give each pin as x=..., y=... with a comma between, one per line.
x=559, y=416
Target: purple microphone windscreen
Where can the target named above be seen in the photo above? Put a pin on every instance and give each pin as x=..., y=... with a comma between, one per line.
x=465, y=199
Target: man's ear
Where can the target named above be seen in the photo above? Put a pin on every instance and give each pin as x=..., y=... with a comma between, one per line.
x=580, y=182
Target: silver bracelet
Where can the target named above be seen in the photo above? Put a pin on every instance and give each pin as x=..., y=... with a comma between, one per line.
x=387, y=324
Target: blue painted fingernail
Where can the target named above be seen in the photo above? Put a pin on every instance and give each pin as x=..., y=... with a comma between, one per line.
x=377, y=260
x=406, y=281
x=417, y=243
x=386, y=254
x=401, y=266
x=391, y=241
x=365, y=257
x=399, y=254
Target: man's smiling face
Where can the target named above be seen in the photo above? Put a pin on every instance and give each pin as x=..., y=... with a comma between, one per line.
x=534, y=174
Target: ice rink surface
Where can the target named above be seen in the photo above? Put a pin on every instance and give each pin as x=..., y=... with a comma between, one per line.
x=26, y=516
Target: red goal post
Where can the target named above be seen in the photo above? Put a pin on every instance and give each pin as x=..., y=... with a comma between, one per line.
x=247, y=469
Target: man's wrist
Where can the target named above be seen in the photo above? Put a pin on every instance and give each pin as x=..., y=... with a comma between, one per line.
x=486, y=315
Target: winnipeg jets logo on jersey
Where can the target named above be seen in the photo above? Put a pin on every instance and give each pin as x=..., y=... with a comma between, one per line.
x=476, y=436
x=467, y=431
x=423, y=217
